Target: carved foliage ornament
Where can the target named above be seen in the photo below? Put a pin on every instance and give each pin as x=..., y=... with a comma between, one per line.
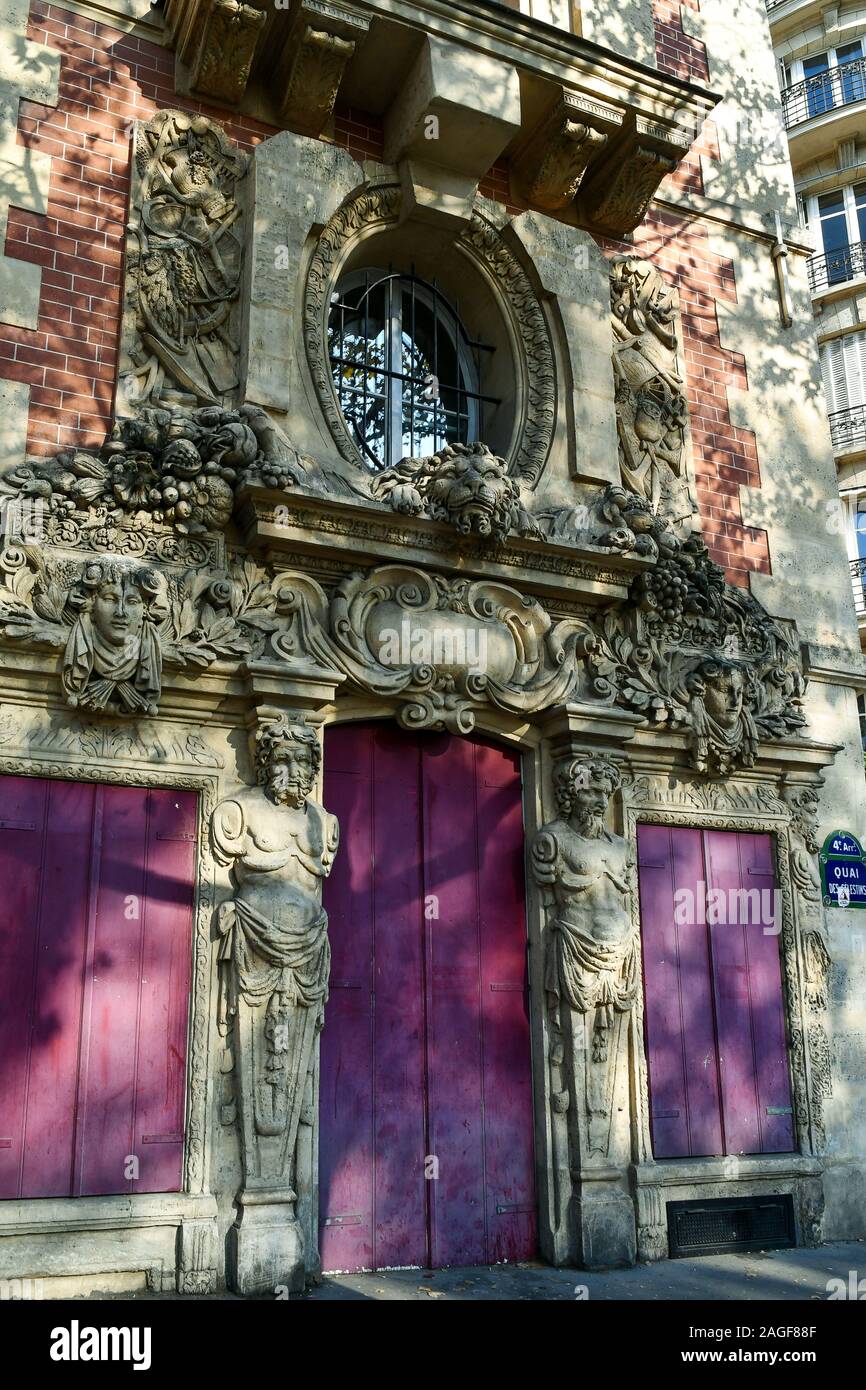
x=379, y=206
x=175, y=469
x=690, y=651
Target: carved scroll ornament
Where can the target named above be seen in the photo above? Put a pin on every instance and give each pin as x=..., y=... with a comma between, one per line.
x=441, y=647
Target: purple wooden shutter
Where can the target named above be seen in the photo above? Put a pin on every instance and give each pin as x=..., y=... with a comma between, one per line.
x=718, y=1061
x=458, y=1217
x=509, y=1155
x=482, y=1204
x=44, y=872
x=136, y=1007
x=753, y=1056
x=684, y=1083
x=94, y=1063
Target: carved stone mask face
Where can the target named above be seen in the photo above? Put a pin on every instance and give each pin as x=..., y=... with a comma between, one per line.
x=117, y=612
x=723, y=698
x=291, y=775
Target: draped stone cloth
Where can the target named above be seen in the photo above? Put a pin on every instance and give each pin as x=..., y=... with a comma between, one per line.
x=297, y=958
x=591, y=974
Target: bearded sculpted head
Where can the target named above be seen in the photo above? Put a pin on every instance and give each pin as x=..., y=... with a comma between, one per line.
x=288, y=758
x=804, y=806
x=584, y=787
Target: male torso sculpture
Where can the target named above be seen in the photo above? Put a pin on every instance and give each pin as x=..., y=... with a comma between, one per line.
x=591, y=962
x=280, y=845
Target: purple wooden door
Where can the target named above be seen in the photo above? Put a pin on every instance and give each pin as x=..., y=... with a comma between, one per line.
x=718, y=1061
x=426, y=1152
x=96, y=889
x=747, y=979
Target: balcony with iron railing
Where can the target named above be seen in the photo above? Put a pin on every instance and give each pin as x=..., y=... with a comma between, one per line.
x=858, y=579
x=837, y=267
x=848, y=428
x=828, y=91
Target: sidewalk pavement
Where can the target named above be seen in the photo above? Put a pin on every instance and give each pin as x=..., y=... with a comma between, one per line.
x=790, y=1275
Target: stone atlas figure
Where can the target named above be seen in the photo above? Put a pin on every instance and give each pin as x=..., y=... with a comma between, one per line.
x=280, y=845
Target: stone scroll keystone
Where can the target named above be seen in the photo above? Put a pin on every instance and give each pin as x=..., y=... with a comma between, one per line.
x=275, y=960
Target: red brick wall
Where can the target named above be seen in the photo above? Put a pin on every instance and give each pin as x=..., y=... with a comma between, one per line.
x=108, y=79
x=724, y=456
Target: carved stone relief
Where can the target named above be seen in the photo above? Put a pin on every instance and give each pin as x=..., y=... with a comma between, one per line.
x=184, y=257
x=63, y=735
x=651, y=407
x=441, y=647
x=280, y=845
x=691, y=651
x=464, y=484
x=804, y=807
x=685, y=652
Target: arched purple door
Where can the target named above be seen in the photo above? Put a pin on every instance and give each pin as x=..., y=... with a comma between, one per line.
x=426, y=1143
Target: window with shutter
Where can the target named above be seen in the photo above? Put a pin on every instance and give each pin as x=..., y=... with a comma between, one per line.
x=715, y=1029
x=96, y=895
x=843, y=366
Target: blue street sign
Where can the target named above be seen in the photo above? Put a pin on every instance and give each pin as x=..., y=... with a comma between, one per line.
x=843, y=870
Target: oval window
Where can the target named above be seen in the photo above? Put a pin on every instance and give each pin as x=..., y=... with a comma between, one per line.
x=407, y=375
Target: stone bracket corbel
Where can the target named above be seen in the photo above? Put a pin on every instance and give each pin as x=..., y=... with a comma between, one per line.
x=322, y=39
x=298, y=687
x=549, y=167
x=455, y=114
x=216, y=41
x=576, y=728
x=616, y=197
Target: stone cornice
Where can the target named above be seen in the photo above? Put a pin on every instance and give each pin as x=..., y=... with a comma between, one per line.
x=596, y=130
x=274, y=523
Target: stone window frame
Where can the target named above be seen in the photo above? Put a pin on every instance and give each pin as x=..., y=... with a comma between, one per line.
x=373, y=208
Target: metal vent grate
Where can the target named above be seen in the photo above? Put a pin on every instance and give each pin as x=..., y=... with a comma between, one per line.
x=729, y=1224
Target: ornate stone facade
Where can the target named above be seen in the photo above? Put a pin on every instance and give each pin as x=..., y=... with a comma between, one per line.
x=227, y=563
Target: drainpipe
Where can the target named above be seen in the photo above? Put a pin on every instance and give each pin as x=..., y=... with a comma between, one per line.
x=780, y=258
